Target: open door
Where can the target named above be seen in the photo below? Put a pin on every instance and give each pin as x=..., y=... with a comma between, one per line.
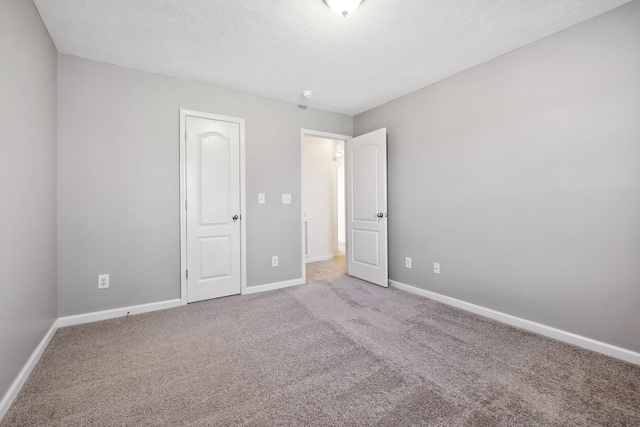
x=366, y=189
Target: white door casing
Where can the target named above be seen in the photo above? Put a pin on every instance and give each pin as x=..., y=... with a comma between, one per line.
x=213, y=243
x=366, y=190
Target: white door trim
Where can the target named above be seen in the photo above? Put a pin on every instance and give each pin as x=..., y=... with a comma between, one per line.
x=303, y=133
x=183, y=197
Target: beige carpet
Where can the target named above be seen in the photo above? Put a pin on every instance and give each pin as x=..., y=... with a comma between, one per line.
x=336, y=351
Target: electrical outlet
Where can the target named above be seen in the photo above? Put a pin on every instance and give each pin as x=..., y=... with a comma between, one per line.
x=286, y=199
x=274, y=261
x=407, y=262
x=103, y=281
x=436, y=268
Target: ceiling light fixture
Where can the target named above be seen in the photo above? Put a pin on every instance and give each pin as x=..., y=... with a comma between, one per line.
x=343, y=7
x=307, y=93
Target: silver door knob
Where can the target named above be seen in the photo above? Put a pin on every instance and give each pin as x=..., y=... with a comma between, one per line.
x=380, y=215
x=235, y=217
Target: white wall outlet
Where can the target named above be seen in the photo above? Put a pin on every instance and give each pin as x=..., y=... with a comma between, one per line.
x=407, y=262
x=261, y=199
x=274, y=261
x=436, y=267
x=286, y=199
x=103, y=281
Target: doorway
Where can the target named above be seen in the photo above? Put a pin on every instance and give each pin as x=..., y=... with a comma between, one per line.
x=366, y=228
x=323, y=196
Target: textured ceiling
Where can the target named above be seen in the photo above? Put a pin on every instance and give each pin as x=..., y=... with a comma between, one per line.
x=278, y=48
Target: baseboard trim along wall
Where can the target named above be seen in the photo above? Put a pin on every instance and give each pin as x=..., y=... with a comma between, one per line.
x=15, y=388
x=273, y=286
x=318, y=259
x=79, y=319
x=117, y=312
x=558, y=334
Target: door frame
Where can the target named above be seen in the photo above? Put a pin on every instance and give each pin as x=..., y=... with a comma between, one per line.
x=320, y=134
x=184, y=113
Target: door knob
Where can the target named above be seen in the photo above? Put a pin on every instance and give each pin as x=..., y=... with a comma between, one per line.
x=380, y=215
x=235, y=217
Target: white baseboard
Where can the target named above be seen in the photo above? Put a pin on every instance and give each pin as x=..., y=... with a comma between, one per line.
x=117, y=312
x=558, y=334
x=15, y=388
x=13, y=391
x=273, y=286
x=318, y=259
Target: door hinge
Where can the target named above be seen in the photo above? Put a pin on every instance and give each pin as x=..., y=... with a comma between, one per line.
x=187, y=274
x=185, y=136
x=185, y=205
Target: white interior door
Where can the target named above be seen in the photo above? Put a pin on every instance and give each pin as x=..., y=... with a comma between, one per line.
x=213, y=208
x=366, y=187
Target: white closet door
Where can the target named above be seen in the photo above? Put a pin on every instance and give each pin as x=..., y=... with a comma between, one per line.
x=213, y=208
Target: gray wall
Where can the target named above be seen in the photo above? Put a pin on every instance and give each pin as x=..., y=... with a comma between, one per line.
x=27, y=185
x=522, y=178
x=119, y=181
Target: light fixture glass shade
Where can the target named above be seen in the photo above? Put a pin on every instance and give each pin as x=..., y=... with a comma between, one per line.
x=343, y=7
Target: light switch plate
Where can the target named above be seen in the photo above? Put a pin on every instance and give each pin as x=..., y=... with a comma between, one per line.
x=261, y=199
x=286, y=199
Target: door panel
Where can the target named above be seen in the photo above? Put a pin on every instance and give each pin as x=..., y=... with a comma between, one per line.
x=365, y=247
x=213, y=208
x=365, y=177
x=214, y=188
x=215, y=257
x=366, y=185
